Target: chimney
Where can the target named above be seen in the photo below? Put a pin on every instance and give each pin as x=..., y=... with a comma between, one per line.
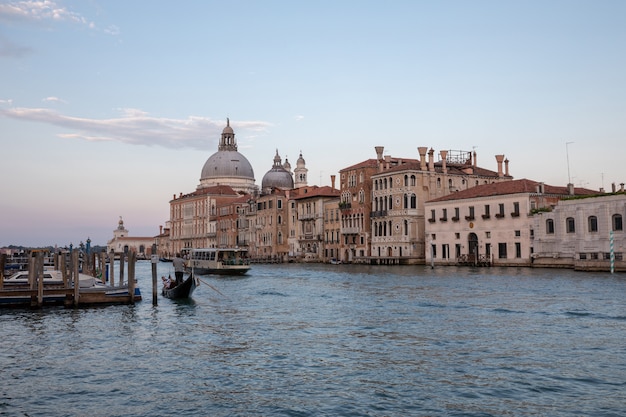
x=613, y=189
x=379, y=152
x=379, y=157
x=475, y=158
x=506, y=167
x=499, y=159
x=570, y=189
x=621, y=187
x=431, y=162
x=161, y=229
x=444, y=157
x=332, y=182
x=422, y=151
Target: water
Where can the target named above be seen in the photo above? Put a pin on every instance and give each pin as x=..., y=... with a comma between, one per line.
x=322, y=340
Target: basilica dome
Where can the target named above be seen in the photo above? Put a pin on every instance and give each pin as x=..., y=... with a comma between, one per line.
x=227, y=166
x=277, y=177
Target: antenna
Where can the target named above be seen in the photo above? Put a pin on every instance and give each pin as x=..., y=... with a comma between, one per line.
x=569, y=178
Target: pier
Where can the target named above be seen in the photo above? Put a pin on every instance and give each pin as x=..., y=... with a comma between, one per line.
x=69, y=287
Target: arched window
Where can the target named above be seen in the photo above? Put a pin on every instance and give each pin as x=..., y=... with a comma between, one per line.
x=449, y=182
x=413, y=201
x=375, y=228
x=406, y=180
x=413, y=180
x=593, y=224
x=617, y=222
x=390, y=203
x=438, y=182
x=406, y=201
x=549, y=226
x=406, y=227
x=570, y=225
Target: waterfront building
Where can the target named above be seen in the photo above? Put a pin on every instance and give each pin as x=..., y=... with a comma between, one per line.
x=122, y=242
x=400, y=192
x=489, y=224
x=355, y=205
x=311, y=204
x=332, y=230
x=582, y=233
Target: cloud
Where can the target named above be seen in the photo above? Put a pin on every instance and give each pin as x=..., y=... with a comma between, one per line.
x=53, y=100
x=137, y=127
x=298, y=117
x=34, y=10
x=9, y=101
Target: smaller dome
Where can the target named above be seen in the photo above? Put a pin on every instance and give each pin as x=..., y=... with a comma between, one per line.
x=277, y=177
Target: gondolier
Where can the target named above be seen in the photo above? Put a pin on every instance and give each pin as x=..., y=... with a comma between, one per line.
x=179, y=268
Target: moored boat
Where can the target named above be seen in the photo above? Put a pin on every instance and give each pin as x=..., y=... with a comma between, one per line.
x=220, y=261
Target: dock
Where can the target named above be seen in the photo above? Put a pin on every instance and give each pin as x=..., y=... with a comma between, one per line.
x=37, y=293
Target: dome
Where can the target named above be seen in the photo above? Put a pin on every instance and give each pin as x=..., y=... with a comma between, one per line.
x=227, y=166
x=277, y=177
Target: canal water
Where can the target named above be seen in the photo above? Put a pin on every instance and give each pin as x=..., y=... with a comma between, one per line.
x=330, y=340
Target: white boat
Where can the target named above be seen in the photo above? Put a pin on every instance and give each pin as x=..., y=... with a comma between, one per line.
x=221, y=261
x=52, y=277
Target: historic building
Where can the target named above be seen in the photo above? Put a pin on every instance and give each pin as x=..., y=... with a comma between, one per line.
x=582, y=233
x=490, y=224
x=123, y=243
x=356, y=205
x=311, y=204
x=399, y=194
x=226, y=176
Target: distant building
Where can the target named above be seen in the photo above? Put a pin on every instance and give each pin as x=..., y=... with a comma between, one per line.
x=123, y=243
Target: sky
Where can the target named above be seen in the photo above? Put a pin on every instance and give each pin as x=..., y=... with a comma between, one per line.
x=109, y=108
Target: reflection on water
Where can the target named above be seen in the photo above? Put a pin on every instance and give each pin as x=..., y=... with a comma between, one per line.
x=348, y=340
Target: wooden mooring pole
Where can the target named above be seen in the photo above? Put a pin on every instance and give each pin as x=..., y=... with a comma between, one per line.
x=132, y=259
x=154, y=259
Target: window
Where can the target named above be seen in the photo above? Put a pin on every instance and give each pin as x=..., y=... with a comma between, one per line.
x=279, y=204
x=617, y=222
x=502, y=250
x=488, y=235
x=570, y=225
x=457, y=236
x=444, y=215
x=445, y=251
x=515, y=210
x=432, y=216
x=486, y=215
x=550, y=227
x=518, y=233
x=500, y=213
x=470, y=216
x=433, y=248
x=518, y=250
x=456, y=215
x=593, y=224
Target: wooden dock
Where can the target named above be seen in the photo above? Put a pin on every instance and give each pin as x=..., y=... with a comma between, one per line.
x=36, y=293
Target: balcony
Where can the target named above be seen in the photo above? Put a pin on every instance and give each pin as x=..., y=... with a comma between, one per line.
x=350, y=230
x=469, y=218
x=345, y=206
x=499, y=215
x=455, y=219
x=515, y=214
x=443, y=219
x=379, y=213
x=486, y=216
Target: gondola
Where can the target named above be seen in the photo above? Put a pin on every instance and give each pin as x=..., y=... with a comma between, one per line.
x=183, y=290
